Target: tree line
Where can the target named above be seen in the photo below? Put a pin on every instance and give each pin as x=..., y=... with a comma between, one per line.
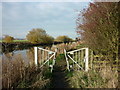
x=38, y=35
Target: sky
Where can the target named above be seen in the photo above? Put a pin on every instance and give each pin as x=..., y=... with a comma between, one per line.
x=56, y=18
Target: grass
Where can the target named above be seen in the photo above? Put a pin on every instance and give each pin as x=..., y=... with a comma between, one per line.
x=103, y=78
x=69, y=74
x=16, y=41
x=20, y=40
x=59, y=57
x=35, y=79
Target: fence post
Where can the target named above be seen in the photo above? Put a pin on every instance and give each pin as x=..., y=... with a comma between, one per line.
x=36, y=55
x=66, y=60
x=86, y=59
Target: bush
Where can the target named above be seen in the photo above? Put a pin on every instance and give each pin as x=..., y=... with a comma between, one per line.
x=17, y=74
x=99, y=28
x=105, y=78
x=63, y=39
x=39, y=36
x=8, y=39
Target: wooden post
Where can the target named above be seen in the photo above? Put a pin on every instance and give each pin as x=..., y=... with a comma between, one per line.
x=86, y=59
x=36, y=55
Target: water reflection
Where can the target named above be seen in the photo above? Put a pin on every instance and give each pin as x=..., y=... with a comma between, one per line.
x=30, y=56
x=11, y=48
x=27, y=53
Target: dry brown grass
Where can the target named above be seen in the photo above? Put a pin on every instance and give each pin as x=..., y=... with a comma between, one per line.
x=102, y=78
x=107, y=73
x=15, y=73
x=12, y=71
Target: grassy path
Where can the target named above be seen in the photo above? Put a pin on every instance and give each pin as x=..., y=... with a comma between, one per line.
x=59, y=79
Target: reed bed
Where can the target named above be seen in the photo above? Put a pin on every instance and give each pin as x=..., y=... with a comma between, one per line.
x=17, y=74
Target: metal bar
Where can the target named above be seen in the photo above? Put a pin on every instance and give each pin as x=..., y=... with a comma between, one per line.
x=36, y=55
x=76, y=57
x=46, y=61
x=54, y=59
x=40, y=56
x=79, y=57
x=53, y=63
x=76, y=63
x=76, y=50
x=45, y=50
x=66, y=60
x=86, y=59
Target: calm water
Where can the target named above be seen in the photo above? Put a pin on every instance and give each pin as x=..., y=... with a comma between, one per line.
x=16, y=54
x=12, y=53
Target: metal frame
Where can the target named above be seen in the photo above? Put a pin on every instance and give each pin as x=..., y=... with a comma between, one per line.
x=48, y=57
x=67, y=57
x=78, y=51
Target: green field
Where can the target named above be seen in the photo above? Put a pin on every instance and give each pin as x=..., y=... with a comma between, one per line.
x=16, y=40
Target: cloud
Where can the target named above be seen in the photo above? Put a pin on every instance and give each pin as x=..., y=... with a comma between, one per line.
x=19, y=11
x=48, y=0
x=53, y=17
x=59, y=0
x=0, y=19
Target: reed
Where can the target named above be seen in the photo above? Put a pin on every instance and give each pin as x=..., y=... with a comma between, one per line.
x=17, y=74
x=12, y=71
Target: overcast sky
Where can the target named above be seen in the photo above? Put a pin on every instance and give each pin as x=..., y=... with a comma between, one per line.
x=57, y=18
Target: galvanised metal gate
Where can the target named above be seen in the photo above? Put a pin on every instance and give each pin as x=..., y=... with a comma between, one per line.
x=46, y=55
x=79, y=57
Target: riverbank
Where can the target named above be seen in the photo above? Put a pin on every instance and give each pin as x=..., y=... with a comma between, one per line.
x=9, y=47
x=94, y=78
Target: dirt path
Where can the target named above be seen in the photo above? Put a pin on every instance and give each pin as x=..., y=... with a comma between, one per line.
x=59, y=77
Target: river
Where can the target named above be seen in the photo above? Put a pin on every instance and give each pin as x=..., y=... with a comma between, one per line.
x=13, y=53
